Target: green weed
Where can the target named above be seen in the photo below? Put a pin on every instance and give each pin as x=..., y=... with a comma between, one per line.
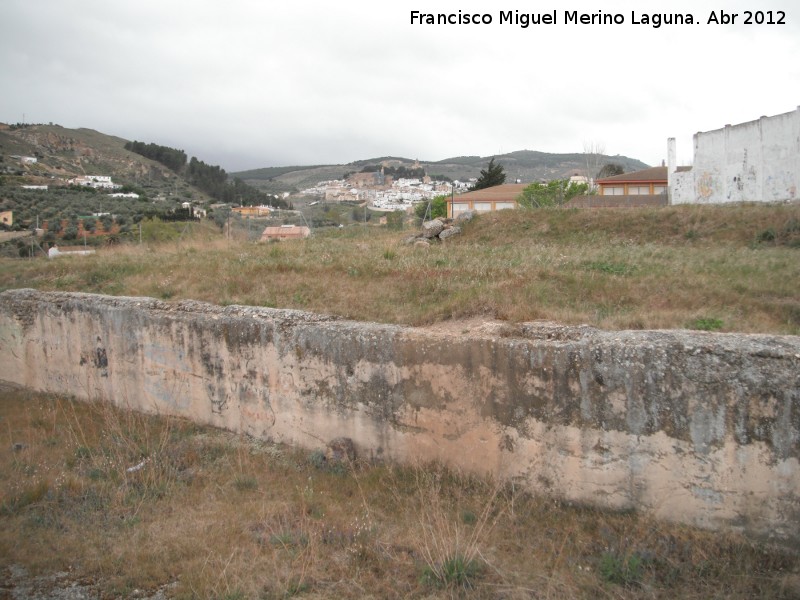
x=454, y=572
x=767, y=235
x=30, y=495
x=245, y=483
x=609, y=267
x=706, y=324
x=622, y=570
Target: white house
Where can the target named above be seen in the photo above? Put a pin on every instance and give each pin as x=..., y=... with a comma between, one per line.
x=95, y=181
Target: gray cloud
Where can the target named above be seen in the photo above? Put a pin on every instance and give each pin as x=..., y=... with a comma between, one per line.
x=247, y=84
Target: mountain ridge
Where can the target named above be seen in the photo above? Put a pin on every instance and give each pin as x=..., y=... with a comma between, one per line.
x=525, y=165
x=82, y=150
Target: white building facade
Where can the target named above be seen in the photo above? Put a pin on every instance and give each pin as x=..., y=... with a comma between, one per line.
x=95, y=181
x=757, y=161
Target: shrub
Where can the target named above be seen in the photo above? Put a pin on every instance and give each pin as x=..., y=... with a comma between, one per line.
x=767, y=235
x=449, y=546
x=455, y=571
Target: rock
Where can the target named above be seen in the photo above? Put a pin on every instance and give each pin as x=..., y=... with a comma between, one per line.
x=431, y=229
x=411, y=239
x=422, y=242
x=465, y=216
x=340, y=450
x=450, y=232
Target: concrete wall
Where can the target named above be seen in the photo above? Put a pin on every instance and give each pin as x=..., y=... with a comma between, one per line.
x=697, y=428
x=757, y=161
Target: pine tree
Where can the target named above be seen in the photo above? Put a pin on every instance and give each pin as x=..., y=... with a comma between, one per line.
x=491, y=176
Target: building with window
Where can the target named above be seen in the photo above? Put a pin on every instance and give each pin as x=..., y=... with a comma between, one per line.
x=647, y=182
x=498, y=197
x=647, y=187
x=285, y=232
x=252, y=211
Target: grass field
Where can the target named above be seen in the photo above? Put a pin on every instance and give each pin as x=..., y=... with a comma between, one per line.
x=726, y=268
x=124, y=504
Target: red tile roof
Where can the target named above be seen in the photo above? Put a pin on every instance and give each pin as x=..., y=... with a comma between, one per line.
x=285, y=232
x=506, y=192
x=653, y=174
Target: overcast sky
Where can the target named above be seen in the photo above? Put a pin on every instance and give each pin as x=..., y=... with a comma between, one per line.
x=247, y=83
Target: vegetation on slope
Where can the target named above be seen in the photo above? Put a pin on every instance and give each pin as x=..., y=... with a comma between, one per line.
x=161, y=175
x=732, y=268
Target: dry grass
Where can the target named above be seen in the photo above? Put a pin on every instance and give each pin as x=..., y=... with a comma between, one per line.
x=221, y=516
x=729, y=268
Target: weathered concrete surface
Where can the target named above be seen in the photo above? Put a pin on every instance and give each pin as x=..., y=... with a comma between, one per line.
x=697, y=428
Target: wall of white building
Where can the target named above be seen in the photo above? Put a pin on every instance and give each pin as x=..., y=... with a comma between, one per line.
x=757, y=161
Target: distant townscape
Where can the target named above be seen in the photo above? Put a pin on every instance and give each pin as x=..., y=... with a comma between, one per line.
x=75, y=184
x=385, y=192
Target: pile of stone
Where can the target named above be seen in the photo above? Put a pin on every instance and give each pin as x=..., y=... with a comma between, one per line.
x=440, y=229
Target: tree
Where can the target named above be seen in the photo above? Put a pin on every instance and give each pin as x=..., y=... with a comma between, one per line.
x=593, y=155
x=491, y=176
x=438, y=208
x=395, y=219
x=71, y=232
x=610, y=170
x=169, y=157
x=220, y=216
x=552, y=193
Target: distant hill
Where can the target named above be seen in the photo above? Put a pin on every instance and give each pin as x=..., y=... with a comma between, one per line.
x=64, y=153
x=276, y=180
x=526, y=165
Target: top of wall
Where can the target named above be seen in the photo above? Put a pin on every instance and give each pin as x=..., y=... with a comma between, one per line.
x=747, y=124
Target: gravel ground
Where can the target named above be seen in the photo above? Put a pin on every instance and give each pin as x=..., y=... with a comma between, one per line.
x=18, y=584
